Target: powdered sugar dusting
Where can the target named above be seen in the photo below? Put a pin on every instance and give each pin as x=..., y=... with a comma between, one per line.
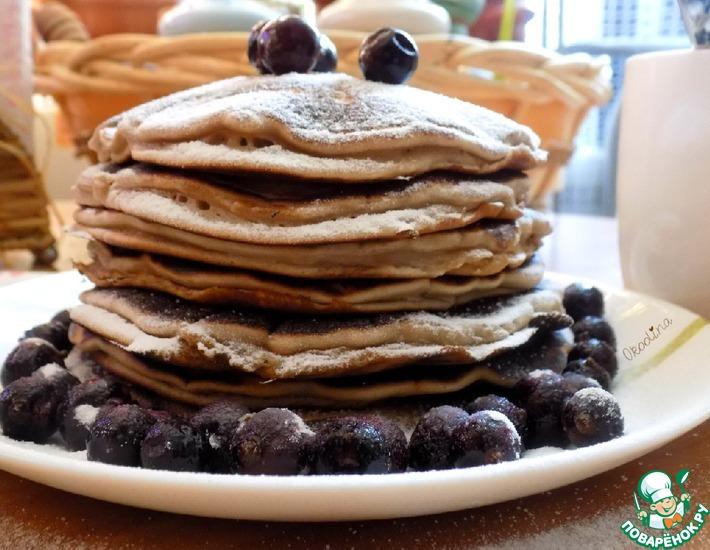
x=291, y=202
x=602, y=529
x=79, y=365
x=538, y=373
x=250, y=358
x=86, y=414
x=597, y=395
x=303, y=428
x=595, y=401
x=141, y=342
x=50, y=370
x=161, y=208
x=500, y=417
x=475, y=250
x=331, y=117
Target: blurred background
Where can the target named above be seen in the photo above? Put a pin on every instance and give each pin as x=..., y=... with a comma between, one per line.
x=619, y=29
x=555, y=65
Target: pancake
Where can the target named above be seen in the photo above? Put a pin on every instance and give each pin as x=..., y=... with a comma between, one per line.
x=115, y=268
x=483, y=249
x=548, y=351
x=317, y=127
x=275, y=345
x=246, y=208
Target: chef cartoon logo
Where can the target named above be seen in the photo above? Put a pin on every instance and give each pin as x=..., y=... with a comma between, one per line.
x=668, y=517
x=665, y=509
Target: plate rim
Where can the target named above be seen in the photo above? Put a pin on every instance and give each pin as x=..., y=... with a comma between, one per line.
x=27, y=459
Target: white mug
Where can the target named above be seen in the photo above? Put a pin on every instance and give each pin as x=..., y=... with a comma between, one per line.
x=663, y=179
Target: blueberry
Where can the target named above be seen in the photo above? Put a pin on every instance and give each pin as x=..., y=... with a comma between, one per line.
x=486, y=437
x=582, y=301
x=543, y=402
x=253, y=43
x=60, y=378
x=27, y=357
x=272, y=442
x=288, y=44
x=589, y=368
x=28, y=409
x=591, y=416
x=389, y=55
x=492, y=402
x=117, y=433
x=215, y=424
x=327, y=56
x=94, y=391
x=62, y=318
x=253, y=48
x=430, y=447
x=575, y=381
x=78, y=410
x=602, y=353
x=171, y=446
x=529, y=383
x=594, y=327
x=55, y=333
x=365, y=444
x=75, y=425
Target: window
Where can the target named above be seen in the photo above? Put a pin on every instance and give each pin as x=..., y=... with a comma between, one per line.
x=618, y=28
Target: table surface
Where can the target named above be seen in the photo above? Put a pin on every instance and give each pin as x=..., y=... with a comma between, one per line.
x=583, y=515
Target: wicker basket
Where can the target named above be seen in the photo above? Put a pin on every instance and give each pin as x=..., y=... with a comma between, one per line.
x=24, y=221
x=549, y=92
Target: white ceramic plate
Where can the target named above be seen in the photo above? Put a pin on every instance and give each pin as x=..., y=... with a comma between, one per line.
x=663, y=392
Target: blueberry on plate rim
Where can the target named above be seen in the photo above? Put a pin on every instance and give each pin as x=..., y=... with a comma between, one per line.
x=56, y=332
x=28, y=409
x=431, y=443
x=580, y=300
x=272, y=441
x=594, y=327
x=29, y=355
x=491, y=402
x=215, y=423
x=485, y=437
x=575, y=381
x=60, y=378
x=74, y=425
x=171, y=445
x=78, y=411
x=117, y=433
x=589, y=368
x=362, y=444
x=602, y=353
x=592, y=415
x=543, y=400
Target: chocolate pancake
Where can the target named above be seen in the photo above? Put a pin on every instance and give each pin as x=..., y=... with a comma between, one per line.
x=194, y=281
x=316, y=127
x=275, y=345
x=198, y=388
x=249, y=209
x=483, y=249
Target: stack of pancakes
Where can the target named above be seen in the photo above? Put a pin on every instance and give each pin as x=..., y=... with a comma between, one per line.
x=313, y=240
